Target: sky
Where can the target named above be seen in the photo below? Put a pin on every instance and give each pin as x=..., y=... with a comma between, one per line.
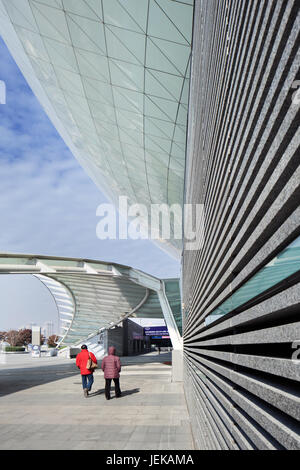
x=48, y=205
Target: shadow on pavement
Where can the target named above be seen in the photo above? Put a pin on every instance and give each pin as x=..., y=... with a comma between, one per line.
x=129, y=392
x=98, y=392
x=14, y=380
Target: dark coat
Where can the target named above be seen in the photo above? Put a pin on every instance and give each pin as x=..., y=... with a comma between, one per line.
x=111, y=365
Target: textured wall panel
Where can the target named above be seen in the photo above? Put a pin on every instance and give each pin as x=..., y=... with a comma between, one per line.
x=241, y=378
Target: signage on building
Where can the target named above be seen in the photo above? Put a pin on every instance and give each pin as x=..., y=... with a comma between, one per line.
x=137, y=336
x=156, y=331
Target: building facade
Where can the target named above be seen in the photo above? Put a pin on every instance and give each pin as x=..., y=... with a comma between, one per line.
x=241, y=288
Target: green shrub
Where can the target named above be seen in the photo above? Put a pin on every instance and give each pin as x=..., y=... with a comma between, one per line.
x=14, y=349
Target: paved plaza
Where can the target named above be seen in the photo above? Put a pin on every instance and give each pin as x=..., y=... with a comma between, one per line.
x=42, y=406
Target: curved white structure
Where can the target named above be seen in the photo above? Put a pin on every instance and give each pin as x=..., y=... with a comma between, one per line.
x=113, y=76
x=92, y=296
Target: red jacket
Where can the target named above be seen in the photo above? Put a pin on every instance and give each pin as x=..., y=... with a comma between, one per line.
x=81, y=361
x=111, y=365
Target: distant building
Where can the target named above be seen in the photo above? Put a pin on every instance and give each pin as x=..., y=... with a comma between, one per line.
x=48, y=329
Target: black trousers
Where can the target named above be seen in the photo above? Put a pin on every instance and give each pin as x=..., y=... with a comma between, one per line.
x=108, y=385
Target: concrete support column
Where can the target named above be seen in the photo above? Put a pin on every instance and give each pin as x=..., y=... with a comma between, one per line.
x=177, y=365
x=176, y=339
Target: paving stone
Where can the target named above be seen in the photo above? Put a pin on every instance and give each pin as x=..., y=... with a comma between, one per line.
x=48, y=410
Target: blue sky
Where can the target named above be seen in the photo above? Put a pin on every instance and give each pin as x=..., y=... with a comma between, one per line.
x=48, y=204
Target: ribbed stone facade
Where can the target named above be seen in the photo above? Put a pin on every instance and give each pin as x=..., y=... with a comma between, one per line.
x=240, y=362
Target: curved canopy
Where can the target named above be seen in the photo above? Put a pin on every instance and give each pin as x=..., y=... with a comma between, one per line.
x=113, y=76
x=92, y=296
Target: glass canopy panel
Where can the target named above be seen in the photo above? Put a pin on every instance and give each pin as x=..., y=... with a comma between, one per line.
x=116, y=76
x=20, y=14
x=90, y=9
x=129, y=15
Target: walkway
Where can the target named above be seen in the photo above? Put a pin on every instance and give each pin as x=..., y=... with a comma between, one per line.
x=42, y=407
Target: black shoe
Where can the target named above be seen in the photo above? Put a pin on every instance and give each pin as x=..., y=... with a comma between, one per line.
x=107, y=398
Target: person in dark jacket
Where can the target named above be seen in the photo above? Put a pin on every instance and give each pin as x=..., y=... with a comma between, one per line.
x=86, y=374
x=111, y=366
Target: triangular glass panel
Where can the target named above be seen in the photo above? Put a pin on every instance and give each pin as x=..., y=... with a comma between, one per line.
x=160, y=25
x=133, y=152
x=152, y=110
x=177, y=54
x=182, y=115
x=93, y=65
x=176, y=174
x=61, y=55
x=79, y=106
x=176, y=165
x=126, y=45
x=32, y=43
x=70, y=81
x=163, y=85
x=127, y=75
x=52, y=22
x=107, y=113
x=20, y=14
x=129, y=120
x=52, y=3
x=177, y=151
x=106, y=129
x=136, y=167
x=180, y=134
x=166, y=106
x=159, y=128
x=157, y=60
x=87, y=34
x=180, y=15
x=137, y=9
x=89, y=8
x=131, y=137
x=185, y=92
x=45, y=72
x=112, y=146
x=129, y=100
x=157, y=156
x=116, y=14
x=154, y=145
x=98, y=91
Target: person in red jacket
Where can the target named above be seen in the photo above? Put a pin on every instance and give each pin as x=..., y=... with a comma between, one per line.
x=111, y=366
x=86, y=374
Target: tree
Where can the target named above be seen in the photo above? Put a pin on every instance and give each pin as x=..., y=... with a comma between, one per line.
x=24, y=337
x=3, y=335
x=52, y=341
x=12, y=337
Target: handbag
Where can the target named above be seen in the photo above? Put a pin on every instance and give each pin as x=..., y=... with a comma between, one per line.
x=90, y=365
